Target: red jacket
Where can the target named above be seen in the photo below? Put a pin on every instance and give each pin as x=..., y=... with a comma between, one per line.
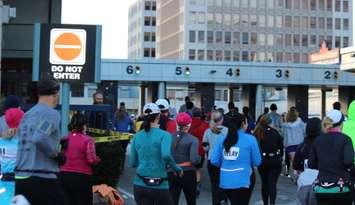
x=171, y=126
x=198, y=128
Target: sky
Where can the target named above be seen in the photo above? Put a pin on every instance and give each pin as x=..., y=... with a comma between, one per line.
x=111, y=14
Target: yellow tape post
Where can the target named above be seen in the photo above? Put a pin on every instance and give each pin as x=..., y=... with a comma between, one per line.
x=111, y=135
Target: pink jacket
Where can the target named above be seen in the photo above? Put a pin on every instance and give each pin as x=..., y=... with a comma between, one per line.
x=80, y=154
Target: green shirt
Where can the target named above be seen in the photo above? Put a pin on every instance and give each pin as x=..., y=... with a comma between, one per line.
x=349, y=124
x=150, y=154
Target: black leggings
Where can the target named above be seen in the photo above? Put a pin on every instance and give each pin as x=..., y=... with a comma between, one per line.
x=238, y=196
x=150, y=196
x=186, y=183
x=77, y=188
x=334, y=199
x=217, y=193
x=269, y=176
x=252, y=185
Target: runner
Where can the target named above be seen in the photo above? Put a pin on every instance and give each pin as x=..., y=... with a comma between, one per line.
x=8, y=151
x=165, y=122
x=185, y=153
x=210, y=137
x=333, y=155
x=271, y=145
x=38, y=161
x=150, y=154
x=236, y=154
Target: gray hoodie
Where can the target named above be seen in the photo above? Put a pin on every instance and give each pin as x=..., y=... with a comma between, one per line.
x=293, y=132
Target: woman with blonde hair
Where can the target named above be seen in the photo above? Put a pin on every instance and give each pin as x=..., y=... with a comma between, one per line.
x=333, y=155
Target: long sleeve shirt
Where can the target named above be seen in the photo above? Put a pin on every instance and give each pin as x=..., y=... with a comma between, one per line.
x=210, y=138
x=293, y=132
x=237, y=164
x=150, y=154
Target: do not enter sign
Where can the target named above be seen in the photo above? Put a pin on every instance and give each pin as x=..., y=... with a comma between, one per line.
x=67, y=46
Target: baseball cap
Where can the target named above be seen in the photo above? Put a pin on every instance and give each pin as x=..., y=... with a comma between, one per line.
x=336, y=116
x=13, y=117
x=150, y=109
x=162, y=104
x=183, y=119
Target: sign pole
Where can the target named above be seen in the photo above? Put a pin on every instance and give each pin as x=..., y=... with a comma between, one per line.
x=65, y=108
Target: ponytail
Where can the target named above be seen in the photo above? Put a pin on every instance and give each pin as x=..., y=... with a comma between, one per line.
x=232, y=135
x=147, y=120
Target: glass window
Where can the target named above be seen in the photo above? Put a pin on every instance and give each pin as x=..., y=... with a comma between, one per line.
x=345, y=24
x=219, y=55
x=236, y=56
x=236, y=3
x=345, y=41
x=154, y=21
x=313, y=5
x=321, y=39
x=244, y=3
x=305, y=4
x=147, y=21
x=262, y=21
x=147, y=5
x=337, y=23
x=269, y=57
x=209, y=36
x=201, y=17
x=279, y=57
x=201, y=55
x=304, y=22
x=245, y=20
x=227, y=55
x=288, y=57
x=345, y=6
x=154, y=6
x=279, y=40
x=152, y=52
x=193, y=17
x=201, y=36
x=192, y=36
x=236, y=19
x=296, y=40
x=192, y=54
x=218, y=18
x=218, y=2
x=146, y=52
x=210, y=55
x=296, y=22
x=270, y=4
x=296, y=58
x=153, y=36
x=245, y=55
x=305, y=40
x=279, y=4
x=218, y=36
x=261, y=56
x=146, y=36
x=227, y=19
x=245, y=38
x=252, y=56
x=330, y=5
x=227, y=3
x=321, y=23
x=288, y=21
x=261, y=39
x=296, y=4
x=321, y=5
x=304, y=58
x=236, y=38
x=270, y=40
x=278, y=20
x=253, y=20
x=337, y=5
x=270, y=21
x=313, y=22
x=288, y=4
x=261, y=4
x=313, y=40
x=330, y=23
x=337, y=41
x=330, y=41
x=253, y=3
x=253, y=38
x=210, y=18
x=227, y=37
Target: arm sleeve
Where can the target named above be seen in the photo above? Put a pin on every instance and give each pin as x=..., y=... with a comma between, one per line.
x=255, y=152
x=91, y=156
x=166, y=144
x=313, y=159
x=133, y=157
x=216, y=156
x=194, y=157
x=348, y=153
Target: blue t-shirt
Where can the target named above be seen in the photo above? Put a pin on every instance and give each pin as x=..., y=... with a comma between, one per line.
x=8, y=152
x=236, y=165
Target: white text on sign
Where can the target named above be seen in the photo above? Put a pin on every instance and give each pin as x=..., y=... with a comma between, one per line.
x=68, y=72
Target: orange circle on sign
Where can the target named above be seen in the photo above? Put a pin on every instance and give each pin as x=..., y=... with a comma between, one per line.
x=67, y=46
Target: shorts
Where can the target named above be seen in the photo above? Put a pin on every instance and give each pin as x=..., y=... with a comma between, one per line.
x=292, y=148
x=200, y=165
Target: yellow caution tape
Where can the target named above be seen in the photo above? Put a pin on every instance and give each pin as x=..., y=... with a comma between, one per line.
x=112, y=135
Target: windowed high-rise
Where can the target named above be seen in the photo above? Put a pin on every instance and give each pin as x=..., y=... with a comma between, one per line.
x=251, y=30
x=141, y=29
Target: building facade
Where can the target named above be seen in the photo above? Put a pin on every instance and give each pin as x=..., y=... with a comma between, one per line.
x=251, y=30
x=141, y=29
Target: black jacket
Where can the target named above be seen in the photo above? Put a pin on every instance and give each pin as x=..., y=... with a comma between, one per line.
x=302, y=153
x=271, y=144
x=332, y=154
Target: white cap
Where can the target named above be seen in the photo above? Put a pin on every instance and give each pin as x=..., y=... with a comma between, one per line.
x=336, y=116
x=162, y=104
x=151, y=108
